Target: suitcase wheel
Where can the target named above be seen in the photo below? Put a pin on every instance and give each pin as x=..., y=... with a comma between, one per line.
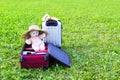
x=45, y=67
x=46, y=57
x=21, y=58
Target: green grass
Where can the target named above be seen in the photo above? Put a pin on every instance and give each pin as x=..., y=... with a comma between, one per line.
x=91, y=36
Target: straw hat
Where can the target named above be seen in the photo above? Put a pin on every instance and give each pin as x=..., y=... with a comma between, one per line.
x=26, y=35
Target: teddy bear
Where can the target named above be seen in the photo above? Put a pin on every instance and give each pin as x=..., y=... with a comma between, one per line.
x=35, y=37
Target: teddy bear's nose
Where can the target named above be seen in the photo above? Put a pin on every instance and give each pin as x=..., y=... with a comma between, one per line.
x=36, y=35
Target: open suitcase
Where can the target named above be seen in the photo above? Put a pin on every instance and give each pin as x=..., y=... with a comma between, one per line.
x=43, y=59
x=54, y=29
x=30, y=59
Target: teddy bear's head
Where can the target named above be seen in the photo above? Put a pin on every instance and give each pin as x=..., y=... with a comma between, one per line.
x=33, y=31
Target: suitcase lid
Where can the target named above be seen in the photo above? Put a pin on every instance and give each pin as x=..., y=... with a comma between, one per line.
x=59, y=55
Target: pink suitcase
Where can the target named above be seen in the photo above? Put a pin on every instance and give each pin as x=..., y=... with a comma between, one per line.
x=43, y=59
x=30, y=59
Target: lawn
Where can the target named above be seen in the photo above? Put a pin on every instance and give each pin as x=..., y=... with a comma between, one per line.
x=91, y=37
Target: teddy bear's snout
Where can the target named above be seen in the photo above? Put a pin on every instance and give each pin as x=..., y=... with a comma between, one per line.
x=36, y=35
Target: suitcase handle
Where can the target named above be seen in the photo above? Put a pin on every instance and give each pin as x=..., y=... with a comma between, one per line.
x=21, y=58
x=51, y=23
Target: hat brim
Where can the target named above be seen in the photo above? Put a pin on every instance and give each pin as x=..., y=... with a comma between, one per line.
x=40, y=31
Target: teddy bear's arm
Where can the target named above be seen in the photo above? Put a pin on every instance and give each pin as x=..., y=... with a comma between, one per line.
x=42, y=36
x=28, y=41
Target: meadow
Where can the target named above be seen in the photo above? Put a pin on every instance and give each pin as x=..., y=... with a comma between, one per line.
x=91, y=37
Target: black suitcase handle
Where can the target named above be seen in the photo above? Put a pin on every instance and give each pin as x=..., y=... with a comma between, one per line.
x=51, y=23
